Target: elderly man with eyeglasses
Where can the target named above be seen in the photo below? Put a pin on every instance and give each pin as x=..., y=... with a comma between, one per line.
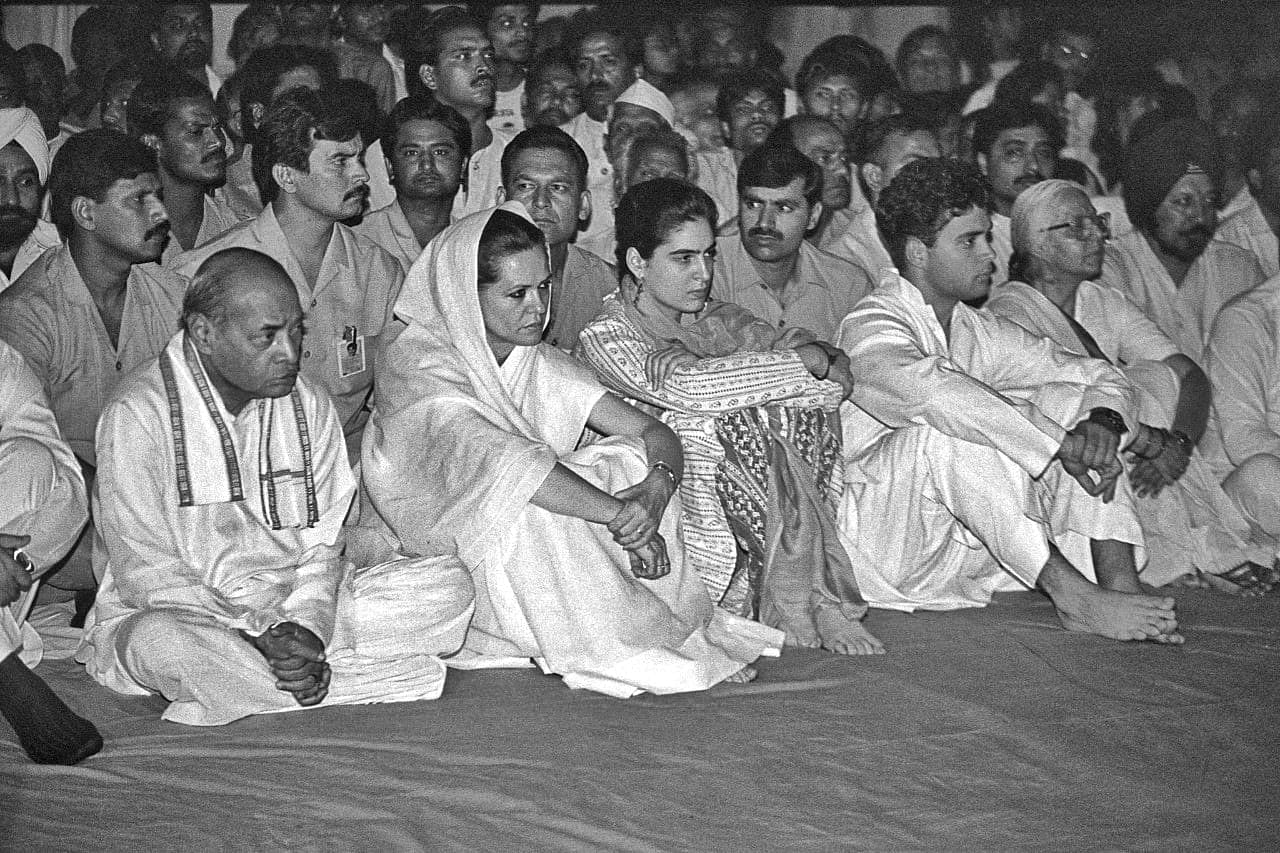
x=1193, y=532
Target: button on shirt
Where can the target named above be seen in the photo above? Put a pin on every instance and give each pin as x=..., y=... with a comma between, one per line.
x=356, y=288
x=821, y=291
x=49, y=316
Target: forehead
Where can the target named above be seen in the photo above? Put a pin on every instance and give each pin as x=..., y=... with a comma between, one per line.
x=1196, y=183
x=553, y=74
x=918, y=142
x=791, y=192
x=754, y=96
x=422, y=130
x=1030, y=135
x=694, y=234
x=929, y=46
x=1067, y=204
x=185, y=12
x=463, y=35
x=975, y=219
x=818, y=135
x=599, y=43
x=522, y=268
x=833, y=81
x=633, y=112
x=301, y=75
x=14, y=158
x=510, y=10
x=544, y=162
x=188, y=109
x=147, y=182
x=325, y=148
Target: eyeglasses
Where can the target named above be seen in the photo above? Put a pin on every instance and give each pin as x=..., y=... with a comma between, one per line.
x=1082, y=225
x=1068, y=52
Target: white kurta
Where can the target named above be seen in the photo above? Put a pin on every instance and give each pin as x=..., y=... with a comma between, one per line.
x=951, y=492
x=1243, y=361
x=1241, y=223
x=1183, y=312
x=1192, y=524
x=551, y=587
x=598, y=237
x=41, y=490
x=179, y=582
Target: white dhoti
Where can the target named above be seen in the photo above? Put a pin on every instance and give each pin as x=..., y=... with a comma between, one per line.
x=934, y=522
x=393, y=622
x=559, y=590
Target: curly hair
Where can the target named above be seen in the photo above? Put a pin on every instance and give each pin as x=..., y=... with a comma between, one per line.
x=924, y=196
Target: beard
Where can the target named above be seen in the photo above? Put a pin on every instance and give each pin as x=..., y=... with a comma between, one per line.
x=16, y=224
x=1187, y=245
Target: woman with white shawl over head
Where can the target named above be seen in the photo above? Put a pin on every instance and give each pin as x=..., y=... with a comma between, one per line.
x=574, y=552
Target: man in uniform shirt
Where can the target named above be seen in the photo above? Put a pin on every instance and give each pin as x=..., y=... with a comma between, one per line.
x=547, y=171
x=90, y=310
x=307, y=163
x=427, y=144
x=174, y=115
x=24, y=168
x=768, y=267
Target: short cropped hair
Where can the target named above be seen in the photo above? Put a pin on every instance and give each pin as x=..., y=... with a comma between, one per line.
x=289, y=130
x=775, y=166
x=820, y=64
x=154, y=10
x=159, y=87
x=504, y=235
x=1007, y=115
x=586, y=23
x=911, y=43
x=540, y=136
x=737, y=86
x=649, y=212
x=423, y=41
x=267, y=65
x=87, y=165
x=924, y=196
x=1028, y=80
x=209, y=290
x=426, y=108
x=246, y=25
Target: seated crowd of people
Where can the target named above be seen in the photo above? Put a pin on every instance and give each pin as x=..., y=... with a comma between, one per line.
x=461, y=338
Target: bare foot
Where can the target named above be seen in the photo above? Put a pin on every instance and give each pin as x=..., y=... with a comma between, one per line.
x=801, y=639
x=846, y=636
x=1091, y=609
x=746, y=675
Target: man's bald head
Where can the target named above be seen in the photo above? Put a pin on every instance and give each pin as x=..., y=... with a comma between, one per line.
x=227, y=274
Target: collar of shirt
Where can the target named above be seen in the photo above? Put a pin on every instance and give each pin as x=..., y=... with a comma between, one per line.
x=268, y=233
x=740, y=270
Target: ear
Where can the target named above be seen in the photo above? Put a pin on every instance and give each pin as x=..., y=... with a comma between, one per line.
x=151, y=141
x=82, y=210
x=201, y=331
x=873, y=177
x=981, y=160
x=726, y=131
x=155, y=42
x=636, y=265
x=285, y=178
x=916, y=253
x=584, y=206
x=502, y=194
x=427, y=75
x=391, y=167
x=815, y=213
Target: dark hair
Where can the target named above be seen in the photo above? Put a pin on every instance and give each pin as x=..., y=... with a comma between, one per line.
x=87, y=165
x=540, y=136
x=878, y=132
x=423, y=40
x=924, y=196
x=1028, y=80
x=821, y=64
x=130, y=68
x=912, y=41
x=1007, y=115
x=211, y=285
x=504, y=235
x=484, y=8
x=246, y=24
x=154, y=11
x=742, y=83
x=49, y=60
x=97, y=20
x=586, y=23
x=649, y=212
x=426, y=108
x=665, y=140
x=296, y=121
x=1261, y=136
x=775, y=166
x=11, y=67
x=267, y=65
x=158, y=88
x=785, y=132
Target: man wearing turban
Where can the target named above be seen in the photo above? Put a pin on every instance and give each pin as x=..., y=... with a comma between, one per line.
x=24, y=168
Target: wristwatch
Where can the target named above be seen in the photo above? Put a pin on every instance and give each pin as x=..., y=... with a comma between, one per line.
x=1109, y=418
x=1183, y=440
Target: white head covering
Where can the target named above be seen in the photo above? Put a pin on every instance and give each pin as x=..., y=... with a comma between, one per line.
x=20, y=125
x=642, y=93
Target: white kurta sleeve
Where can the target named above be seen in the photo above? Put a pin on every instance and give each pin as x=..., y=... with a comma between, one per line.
x=1242, y=370
x=900, y=384
x=709, y=386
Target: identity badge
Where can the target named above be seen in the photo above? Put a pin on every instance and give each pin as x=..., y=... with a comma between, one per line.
x=351, y=357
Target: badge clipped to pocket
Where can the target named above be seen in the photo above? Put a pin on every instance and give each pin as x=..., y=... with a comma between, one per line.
x=351, y=358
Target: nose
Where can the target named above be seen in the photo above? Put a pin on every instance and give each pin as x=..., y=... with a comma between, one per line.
x=8, y=194
x=542, y=197
x=286, y=347
x=767, y=217
x=597, y=72
x=702, y=270
x=157, y=212
x=359, y=172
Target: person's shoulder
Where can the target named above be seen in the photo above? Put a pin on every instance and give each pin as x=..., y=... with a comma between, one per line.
x=1223, y=252
x=366, y=254
x=1255, y=304
x=159, y=279
x=239, y=235
x=141, y=392
x=833, y=266
x=37, y=291
x=592, y=265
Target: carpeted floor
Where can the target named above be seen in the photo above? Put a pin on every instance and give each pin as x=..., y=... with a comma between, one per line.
x=980, y=730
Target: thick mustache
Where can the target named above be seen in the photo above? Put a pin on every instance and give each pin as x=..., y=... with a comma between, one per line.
x=216, y=154
x=764, y=232
x=360, y=192
x=160, y=229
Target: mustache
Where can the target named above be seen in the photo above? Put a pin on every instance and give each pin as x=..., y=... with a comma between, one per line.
x=216, y=154
x=160, y=229
x=361, y=192
x=764, y=232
